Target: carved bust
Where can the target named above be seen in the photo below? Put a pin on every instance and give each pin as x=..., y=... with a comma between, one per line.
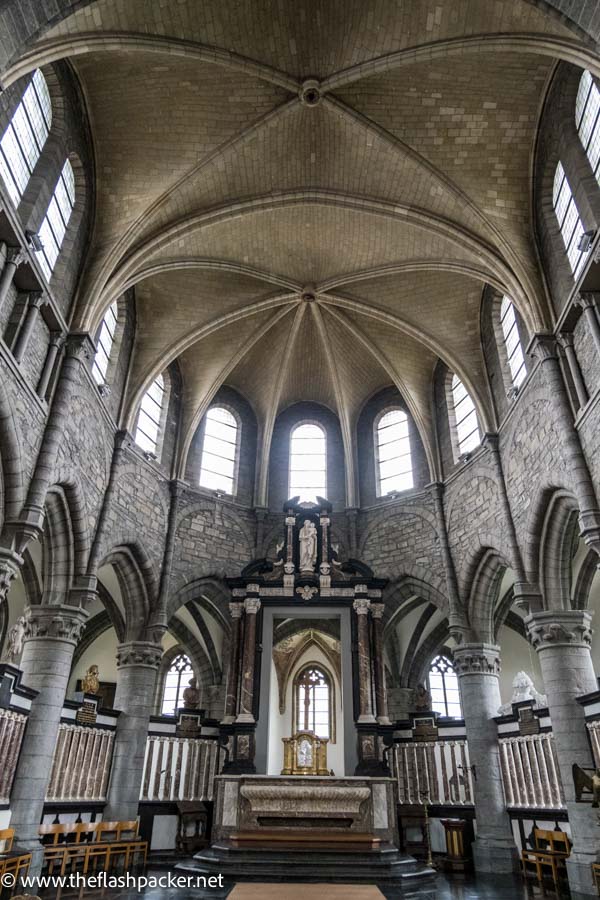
x=191, y=695
x=90, y=683
x=523, y=689
x=422, y=699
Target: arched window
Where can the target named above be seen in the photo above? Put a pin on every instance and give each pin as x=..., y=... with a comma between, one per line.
x=569, y=220
x=392, y=443
x=176, y=681
x=308, y=462
x=443, y=687
x=23, y=141
x=54, y=227
x=587, y=119
x=150, y=417
x=313, y=702
x=465, y=426
x=512, y=342
x=106, y=340
x=220, y=450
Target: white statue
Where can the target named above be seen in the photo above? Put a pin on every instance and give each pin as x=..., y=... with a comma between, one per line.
x=523, y=689
x=14, y=643
x=308, y=546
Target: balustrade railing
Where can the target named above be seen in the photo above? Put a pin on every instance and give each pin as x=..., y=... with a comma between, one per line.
x=530, y=772
x=434, y=770
x=81, y=764
x=12, y=726
x=179, y=768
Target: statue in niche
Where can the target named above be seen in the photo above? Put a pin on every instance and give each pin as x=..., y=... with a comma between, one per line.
x=90, y=683
x=191, y=695
x=308, y=546
x=15, y=640
x=422, y=699
x=305, y=753
x=523, y=689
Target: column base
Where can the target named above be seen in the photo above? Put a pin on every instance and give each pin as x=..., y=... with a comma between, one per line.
x=227, y=720
x=246, y=719
x=579, y=873
x=495, y=856
x=366, y=720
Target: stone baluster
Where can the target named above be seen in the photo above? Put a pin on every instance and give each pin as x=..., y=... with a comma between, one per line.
x=478, y=670
x=137, y=663
x=251, y=608
x=51, y=635
x=381, y=704
x=589, y=305
x=15, y=256
x=562, y=640
x=56, y=342
x=35, y=301
x=567, y=340
x=233, y=674
x=365, y=703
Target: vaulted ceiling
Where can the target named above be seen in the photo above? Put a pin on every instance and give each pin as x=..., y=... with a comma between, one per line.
x=310, y=196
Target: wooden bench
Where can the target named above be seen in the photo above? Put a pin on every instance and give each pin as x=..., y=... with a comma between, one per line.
x=596, y=874
x=12, y=861
x=92, y=844
x=548, y=856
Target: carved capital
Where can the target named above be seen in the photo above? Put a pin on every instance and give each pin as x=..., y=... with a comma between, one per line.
x=16, y=256
x=567, y=339
x=251, y=605
x=361, y=606
x=477, y=659
x=79, y=345
x=236, y=610
x=543, y=347
x=139, y=653
x=36, y=299
x=377, y=610
x=54, y=622
x=559, y=627
x=10, y=563
x=491, y=441
x=587, y=300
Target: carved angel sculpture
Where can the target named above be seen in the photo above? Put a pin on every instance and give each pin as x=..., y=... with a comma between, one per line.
x=585, y=782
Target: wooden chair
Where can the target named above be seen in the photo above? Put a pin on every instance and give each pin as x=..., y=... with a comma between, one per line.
x=92, y=844
x=596, y=874
x=549, y=854
x=12, y=861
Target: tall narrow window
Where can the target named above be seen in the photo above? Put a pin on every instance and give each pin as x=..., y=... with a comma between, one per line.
x=587, y=119
x=466, y=428
x=106, y=340
x=443, y=687
x=220, y=450
x=512, y=342
x=149, y=419
x=308, y=462
x=392, y=442
x=569, y=221
x=176, y=681
x=23, y=141
x=313, y=702
x=54, y=227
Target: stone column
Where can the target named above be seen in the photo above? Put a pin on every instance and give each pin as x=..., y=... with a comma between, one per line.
x=56, y=341
x=15, y=256
x=35, y=301
x=543, y=347
x=567, y=340
x=381, y=703
x=51, y=635
x=478, y=668
x=137, y=663
x=233, y=674
x=365, y=704
x=562, y=639
x=589, y=304
x=251, y=608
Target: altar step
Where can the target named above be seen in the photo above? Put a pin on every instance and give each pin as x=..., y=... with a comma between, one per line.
x=384, y=865
x=345, y=842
